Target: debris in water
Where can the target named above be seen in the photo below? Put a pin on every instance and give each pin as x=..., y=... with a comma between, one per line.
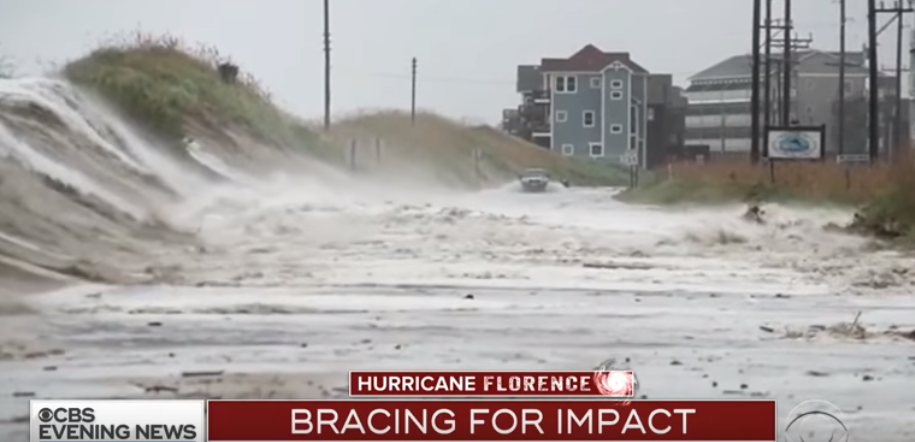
x=817, y=374
x=23, y=394
x=468, y=296
x=154, y=324
x=197, y=374
x=767, y=329
x=160, y=389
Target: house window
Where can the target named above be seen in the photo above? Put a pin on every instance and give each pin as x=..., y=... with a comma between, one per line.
x=616, y=84
x=616, y=128
x=587, y=118
x=849, y=87
x=616, y=95
x=570, y=84
x=597, y=149
x=650, y=114
x=568, y=150
x=595, y=82
x=633, y=142
x=562, y=116
x=566, y=84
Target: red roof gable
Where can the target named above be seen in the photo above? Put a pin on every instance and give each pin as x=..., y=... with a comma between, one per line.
x=589, y=59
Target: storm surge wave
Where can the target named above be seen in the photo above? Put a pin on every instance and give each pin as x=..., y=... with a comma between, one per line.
x=85, y=194
x=89, y=195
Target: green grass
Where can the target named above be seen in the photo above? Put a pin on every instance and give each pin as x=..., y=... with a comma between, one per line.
x=448, y=146
x=174, y=90
x=884, y=193
x=684, y=191
x=164, y=85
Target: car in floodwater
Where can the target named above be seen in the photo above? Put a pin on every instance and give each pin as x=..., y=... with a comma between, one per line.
x=534, y=180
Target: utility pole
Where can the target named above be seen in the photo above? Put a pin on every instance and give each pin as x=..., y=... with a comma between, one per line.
x=327, y=65
x=898, y=11
x=413, y=95
x=842, y=50
x=872, y=118
x=786, y=71
x=754, y=94
x=767, y=85
x=897, y=121
x=788, y=67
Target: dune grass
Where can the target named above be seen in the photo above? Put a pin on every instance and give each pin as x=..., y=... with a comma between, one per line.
x=883, y=192
x=169, y=86
x=162, y=83
x=434, y=139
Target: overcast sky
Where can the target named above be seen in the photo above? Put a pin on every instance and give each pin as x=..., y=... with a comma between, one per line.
x=467, y=49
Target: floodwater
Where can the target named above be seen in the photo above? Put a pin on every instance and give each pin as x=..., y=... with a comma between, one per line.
x=280, y=284
x=701, y=304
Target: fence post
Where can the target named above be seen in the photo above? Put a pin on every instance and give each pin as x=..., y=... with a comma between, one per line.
x=378, y=150
x=352, y=154
x=476, y=166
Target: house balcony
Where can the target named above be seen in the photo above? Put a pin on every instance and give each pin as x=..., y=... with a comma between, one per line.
x=537, y=97
x=534, y=112
x=538, y=127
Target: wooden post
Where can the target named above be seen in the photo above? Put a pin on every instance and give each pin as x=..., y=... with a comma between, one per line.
x=352, y=154
x=477, y=176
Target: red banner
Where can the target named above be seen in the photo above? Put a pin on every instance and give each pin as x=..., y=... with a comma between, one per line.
x=494, y=420
x=615, y=383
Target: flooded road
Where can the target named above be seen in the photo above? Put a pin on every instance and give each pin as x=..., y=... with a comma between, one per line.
x=287, y=297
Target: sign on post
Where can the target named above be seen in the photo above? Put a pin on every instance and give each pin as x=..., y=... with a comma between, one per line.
x=629, y=159
x=796, y=143
x=850, y=159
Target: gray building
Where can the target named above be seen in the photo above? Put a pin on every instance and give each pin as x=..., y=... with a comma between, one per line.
x=593, y=105
x=718, y=114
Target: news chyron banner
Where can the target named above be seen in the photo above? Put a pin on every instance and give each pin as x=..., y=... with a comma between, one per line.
x=117, y=420
x=596, y=405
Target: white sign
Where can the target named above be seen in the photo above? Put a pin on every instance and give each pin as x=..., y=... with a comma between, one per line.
x=117, y=420
x=853, y=158
x=629, y=159
x=795, y=144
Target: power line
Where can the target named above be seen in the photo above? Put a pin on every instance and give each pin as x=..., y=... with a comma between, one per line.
x=405, y=76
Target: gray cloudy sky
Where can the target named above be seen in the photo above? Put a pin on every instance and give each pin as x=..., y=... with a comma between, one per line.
x=467, y=49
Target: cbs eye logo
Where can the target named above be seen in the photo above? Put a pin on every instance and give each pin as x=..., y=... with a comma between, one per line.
x=45, y=415
x=84, y=415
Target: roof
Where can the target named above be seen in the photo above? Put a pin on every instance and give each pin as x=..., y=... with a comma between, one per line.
x=589, y=59
x=741, y=65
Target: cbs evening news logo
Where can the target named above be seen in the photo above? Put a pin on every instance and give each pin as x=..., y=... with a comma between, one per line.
x=117, y=420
